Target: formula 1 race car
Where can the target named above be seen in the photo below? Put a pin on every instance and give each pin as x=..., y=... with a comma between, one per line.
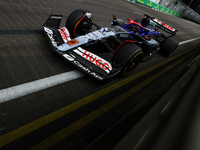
x=107, y=51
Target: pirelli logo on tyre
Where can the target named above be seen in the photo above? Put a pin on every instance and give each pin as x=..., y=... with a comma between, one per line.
x=138, y=54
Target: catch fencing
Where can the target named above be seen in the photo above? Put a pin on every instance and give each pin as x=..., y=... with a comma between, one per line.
x=172, y=7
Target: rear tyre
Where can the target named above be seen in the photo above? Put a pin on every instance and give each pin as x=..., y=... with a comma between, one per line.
x=78, y=21
x=168, y=46
x=130, y=54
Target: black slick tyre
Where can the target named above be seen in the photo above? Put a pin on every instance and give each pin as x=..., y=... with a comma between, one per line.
x=130, y=54
x=168, y=46
x=77, y=21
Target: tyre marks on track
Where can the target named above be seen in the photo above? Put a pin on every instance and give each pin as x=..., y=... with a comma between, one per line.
x=31, y=87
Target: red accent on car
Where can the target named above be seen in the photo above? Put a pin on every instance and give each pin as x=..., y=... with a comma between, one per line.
x=93, y=59
x=133, y=68
x=78, y=23
x=133, y=22
x=129, y=41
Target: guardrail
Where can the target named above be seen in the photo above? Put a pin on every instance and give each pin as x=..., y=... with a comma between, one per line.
x=174, y=118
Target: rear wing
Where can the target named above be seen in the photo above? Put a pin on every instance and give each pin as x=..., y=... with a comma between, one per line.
x=162, y=25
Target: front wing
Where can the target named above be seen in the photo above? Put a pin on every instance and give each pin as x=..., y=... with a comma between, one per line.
x=90, y=63
x=87, y=66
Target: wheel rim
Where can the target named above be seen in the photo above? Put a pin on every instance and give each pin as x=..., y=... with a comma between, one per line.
x=133, y=63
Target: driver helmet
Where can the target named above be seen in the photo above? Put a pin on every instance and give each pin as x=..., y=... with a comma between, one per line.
x=148, y=23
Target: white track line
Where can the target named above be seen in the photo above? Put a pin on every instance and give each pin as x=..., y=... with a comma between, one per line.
x=189, y=41
x=41, y=84
x=38, y=85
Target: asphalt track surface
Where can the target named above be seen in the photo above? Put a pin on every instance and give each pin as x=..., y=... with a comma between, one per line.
x=46, y=103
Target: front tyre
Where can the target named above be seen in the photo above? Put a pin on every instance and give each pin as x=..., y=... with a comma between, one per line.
x=168, y=46
x=128, y=54
x=130, y=66
x=78, y=21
